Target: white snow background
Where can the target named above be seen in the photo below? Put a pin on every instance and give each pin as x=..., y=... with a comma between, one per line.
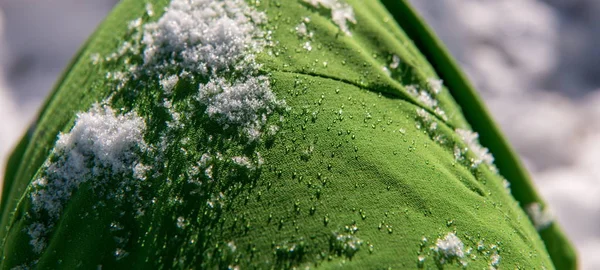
x=534, y=62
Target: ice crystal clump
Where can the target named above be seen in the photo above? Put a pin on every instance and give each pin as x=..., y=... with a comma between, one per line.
x=541, y=218
x=302, y=29
x=450, y=248
x=341, y=13
x=435, y=85
x=482, y=154
x=101, y=145
x=427, y=95
x=204, y=36
x=217, y=40
x=245, y=104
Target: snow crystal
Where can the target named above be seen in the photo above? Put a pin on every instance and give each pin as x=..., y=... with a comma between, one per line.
x=341, y=13
x=426, y=99
x=149, y=9
x=134, y=24
x=541, y=218
x=307, y=46
x=450, y=247
x=100, y=143
x=482, y=154
x=204, y=36
x=242, y=103
x=301, y=30
x=243, y=161
x=169, y=83
x=215, y=39
x=412, y=89
x=435, y=85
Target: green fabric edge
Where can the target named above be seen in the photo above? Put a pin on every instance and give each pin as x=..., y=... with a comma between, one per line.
x=561, y=251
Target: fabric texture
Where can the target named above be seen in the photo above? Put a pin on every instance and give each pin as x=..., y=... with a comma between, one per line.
x=269, y=134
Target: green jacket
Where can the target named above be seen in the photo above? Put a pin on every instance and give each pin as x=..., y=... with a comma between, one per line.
x=269, y=134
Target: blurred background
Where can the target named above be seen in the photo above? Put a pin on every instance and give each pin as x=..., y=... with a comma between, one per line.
x=535, y=63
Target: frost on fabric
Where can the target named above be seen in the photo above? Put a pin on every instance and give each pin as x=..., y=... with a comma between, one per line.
x=341, y=13
x=101, y=144
x=482, y=154
x=427, y=96
x=245, y=104
x=435, y=85
x=450, y=247
x=204, y=36
x=169, y=83
x=216, y=40
x=540, y=217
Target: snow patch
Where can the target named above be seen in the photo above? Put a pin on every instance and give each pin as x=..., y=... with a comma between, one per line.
x=216, y=40
x=101, y=145
x=205, y=37
x=482, y=154
x=245, y=103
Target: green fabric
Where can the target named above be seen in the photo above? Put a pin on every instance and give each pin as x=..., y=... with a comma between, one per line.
x=352, y=152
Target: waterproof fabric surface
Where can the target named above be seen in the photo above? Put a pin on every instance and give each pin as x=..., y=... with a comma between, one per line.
x=269, y=134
